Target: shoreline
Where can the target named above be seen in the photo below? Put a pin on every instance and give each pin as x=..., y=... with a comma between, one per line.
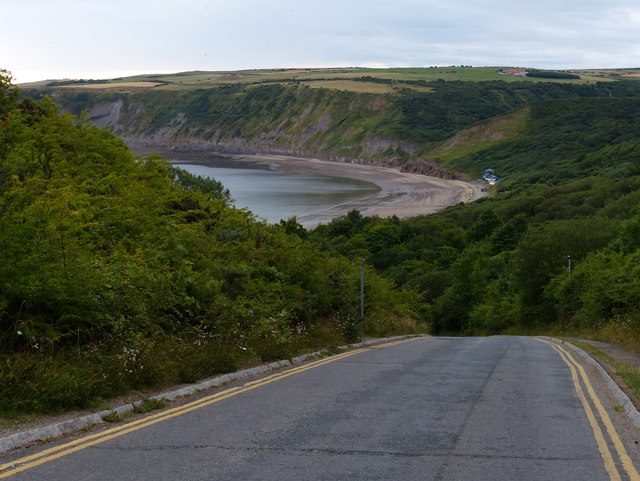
x=402, y=194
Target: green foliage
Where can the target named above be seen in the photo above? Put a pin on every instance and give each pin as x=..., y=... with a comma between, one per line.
x=564, y=140
x=292, y=117
x=206, y=185
x=291, y=226
x=148, y=405
x=112, y=417
x=74, y=82
x=548, y=74
x=543, y=252
x=8, y=93
x=429, y=117
x=502, y=263
x=119, y=272
x=570, y=187
x=145, y=265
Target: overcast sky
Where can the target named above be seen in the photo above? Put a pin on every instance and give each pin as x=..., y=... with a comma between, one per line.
x=45, y=39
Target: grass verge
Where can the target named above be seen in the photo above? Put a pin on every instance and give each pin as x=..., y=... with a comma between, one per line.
x=148, y=405
x=53, y=381
x=629, y=374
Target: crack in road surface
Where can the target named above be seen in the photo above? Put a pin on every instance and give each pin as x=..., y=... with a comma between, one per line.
x=338, y=452
x=368, y=363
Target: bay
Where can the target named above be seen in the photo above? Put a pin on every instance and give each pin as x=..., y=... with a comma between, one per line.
x=273, y=194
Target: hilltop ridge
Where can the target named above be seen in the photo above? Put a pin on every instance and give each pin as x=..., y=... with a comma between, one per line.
x=404, y=118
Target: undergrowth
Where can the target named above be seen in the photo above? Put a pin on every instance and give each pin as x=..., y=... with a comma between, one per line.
x=54, y=380
x=148, y=405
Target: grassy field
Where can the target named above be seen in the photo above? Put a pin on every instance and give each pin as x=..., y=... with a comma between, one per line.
x=116, y=85
x=599, y=75
x=336, y=78
x=360, y=87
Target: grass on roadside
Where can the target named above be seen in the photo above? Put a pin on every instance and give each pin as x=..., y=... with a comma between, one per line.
x=629, y=374
x=148, y=405
x=113, y=417
x=56, y=380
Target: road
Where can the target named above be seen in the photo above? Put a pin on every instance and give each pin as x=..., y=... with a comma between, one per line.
x=493, y=408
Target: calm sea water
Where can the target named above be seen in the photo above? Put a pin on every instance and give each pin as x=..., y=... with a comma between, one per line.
x=273, y=195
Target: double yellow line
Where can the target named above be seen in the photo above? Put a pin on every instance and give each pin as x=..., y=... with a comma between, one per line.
x=580, y=378
x=29, y=462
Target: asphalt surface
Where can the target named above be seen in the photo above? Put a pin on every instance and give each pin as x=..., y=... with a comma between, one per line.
x=496, y=408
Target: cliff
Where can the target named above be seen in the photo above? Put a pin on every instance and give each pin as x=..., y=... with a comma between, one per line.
x=423, y=131
x=330, y=125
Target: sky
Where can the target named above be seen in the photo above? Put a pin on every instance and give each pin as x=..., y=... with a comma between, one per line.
x=97, y=39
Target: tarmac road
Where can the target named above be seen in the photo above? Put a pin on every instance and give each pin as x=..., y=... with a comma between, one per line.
x=493, y=408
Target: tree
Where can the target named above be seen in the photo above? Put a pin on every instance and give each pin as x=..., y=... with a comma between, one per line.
x=8, y=93
x=542, y=254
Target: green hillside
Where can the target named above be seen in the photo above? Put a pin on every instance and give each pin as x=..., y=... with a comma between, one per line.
x=570, y=185
x=106, y=254
x=553, y=142
x=296, y=117
x=120, y=273
x=336, y=77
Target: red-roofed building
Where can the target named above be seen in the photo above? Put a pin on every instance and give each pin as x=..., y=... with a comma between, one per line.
x=518, y=72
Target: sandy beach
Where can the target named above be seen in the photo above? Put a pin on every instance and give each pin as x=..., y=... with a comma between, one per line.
x=400, y=193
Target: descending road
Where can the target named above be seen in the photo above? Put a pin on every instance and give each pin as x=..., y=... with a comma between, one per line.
x=496, y=408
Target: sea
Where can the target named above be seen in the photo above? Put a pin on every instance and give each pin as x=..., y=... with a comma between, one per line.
x=272, y=195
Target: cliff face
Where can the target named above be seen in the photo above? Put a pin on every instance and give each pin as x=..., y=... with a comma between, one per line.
x=293, y=120
x=432, y=168
x=452, y=124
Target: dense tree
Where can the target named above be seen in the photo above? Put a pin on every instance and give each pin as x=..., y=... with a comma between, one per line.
x=8, y=93
x=101, y=250
x=503, y=262
x=86, y=225
x=106, y=257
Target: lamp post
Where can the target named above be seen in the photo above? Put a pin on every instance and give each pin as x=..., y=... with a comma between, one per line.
x=569, y=265
x=362, y=292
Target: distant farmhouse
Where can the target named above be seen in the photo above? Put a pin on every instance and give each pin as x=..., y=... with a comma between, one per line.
x=518, y=72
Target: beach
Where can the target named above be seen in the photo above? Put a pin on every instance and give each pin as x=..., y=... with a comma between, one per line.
x=400, y=193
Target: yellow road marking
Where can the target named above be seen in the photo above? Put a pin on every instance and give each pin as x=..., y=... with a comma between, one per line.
x=29, y=462
x=607, y=457
x=603, y=447
x=627, y=463
x=147, y=421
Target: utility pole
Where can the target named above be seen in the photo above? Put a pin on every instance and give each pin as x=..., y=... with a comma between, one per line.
x=569, y=267
x=362, y=292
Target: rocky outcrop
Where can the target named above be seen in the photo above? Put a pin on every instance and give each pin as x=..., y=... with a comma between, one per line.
x=105, y=114
x=432, y=168
x=316, y=130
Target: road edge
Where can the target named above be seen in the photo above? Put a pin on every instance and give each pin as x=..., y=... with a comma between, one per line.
x=60, y=429
x=626, y=404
